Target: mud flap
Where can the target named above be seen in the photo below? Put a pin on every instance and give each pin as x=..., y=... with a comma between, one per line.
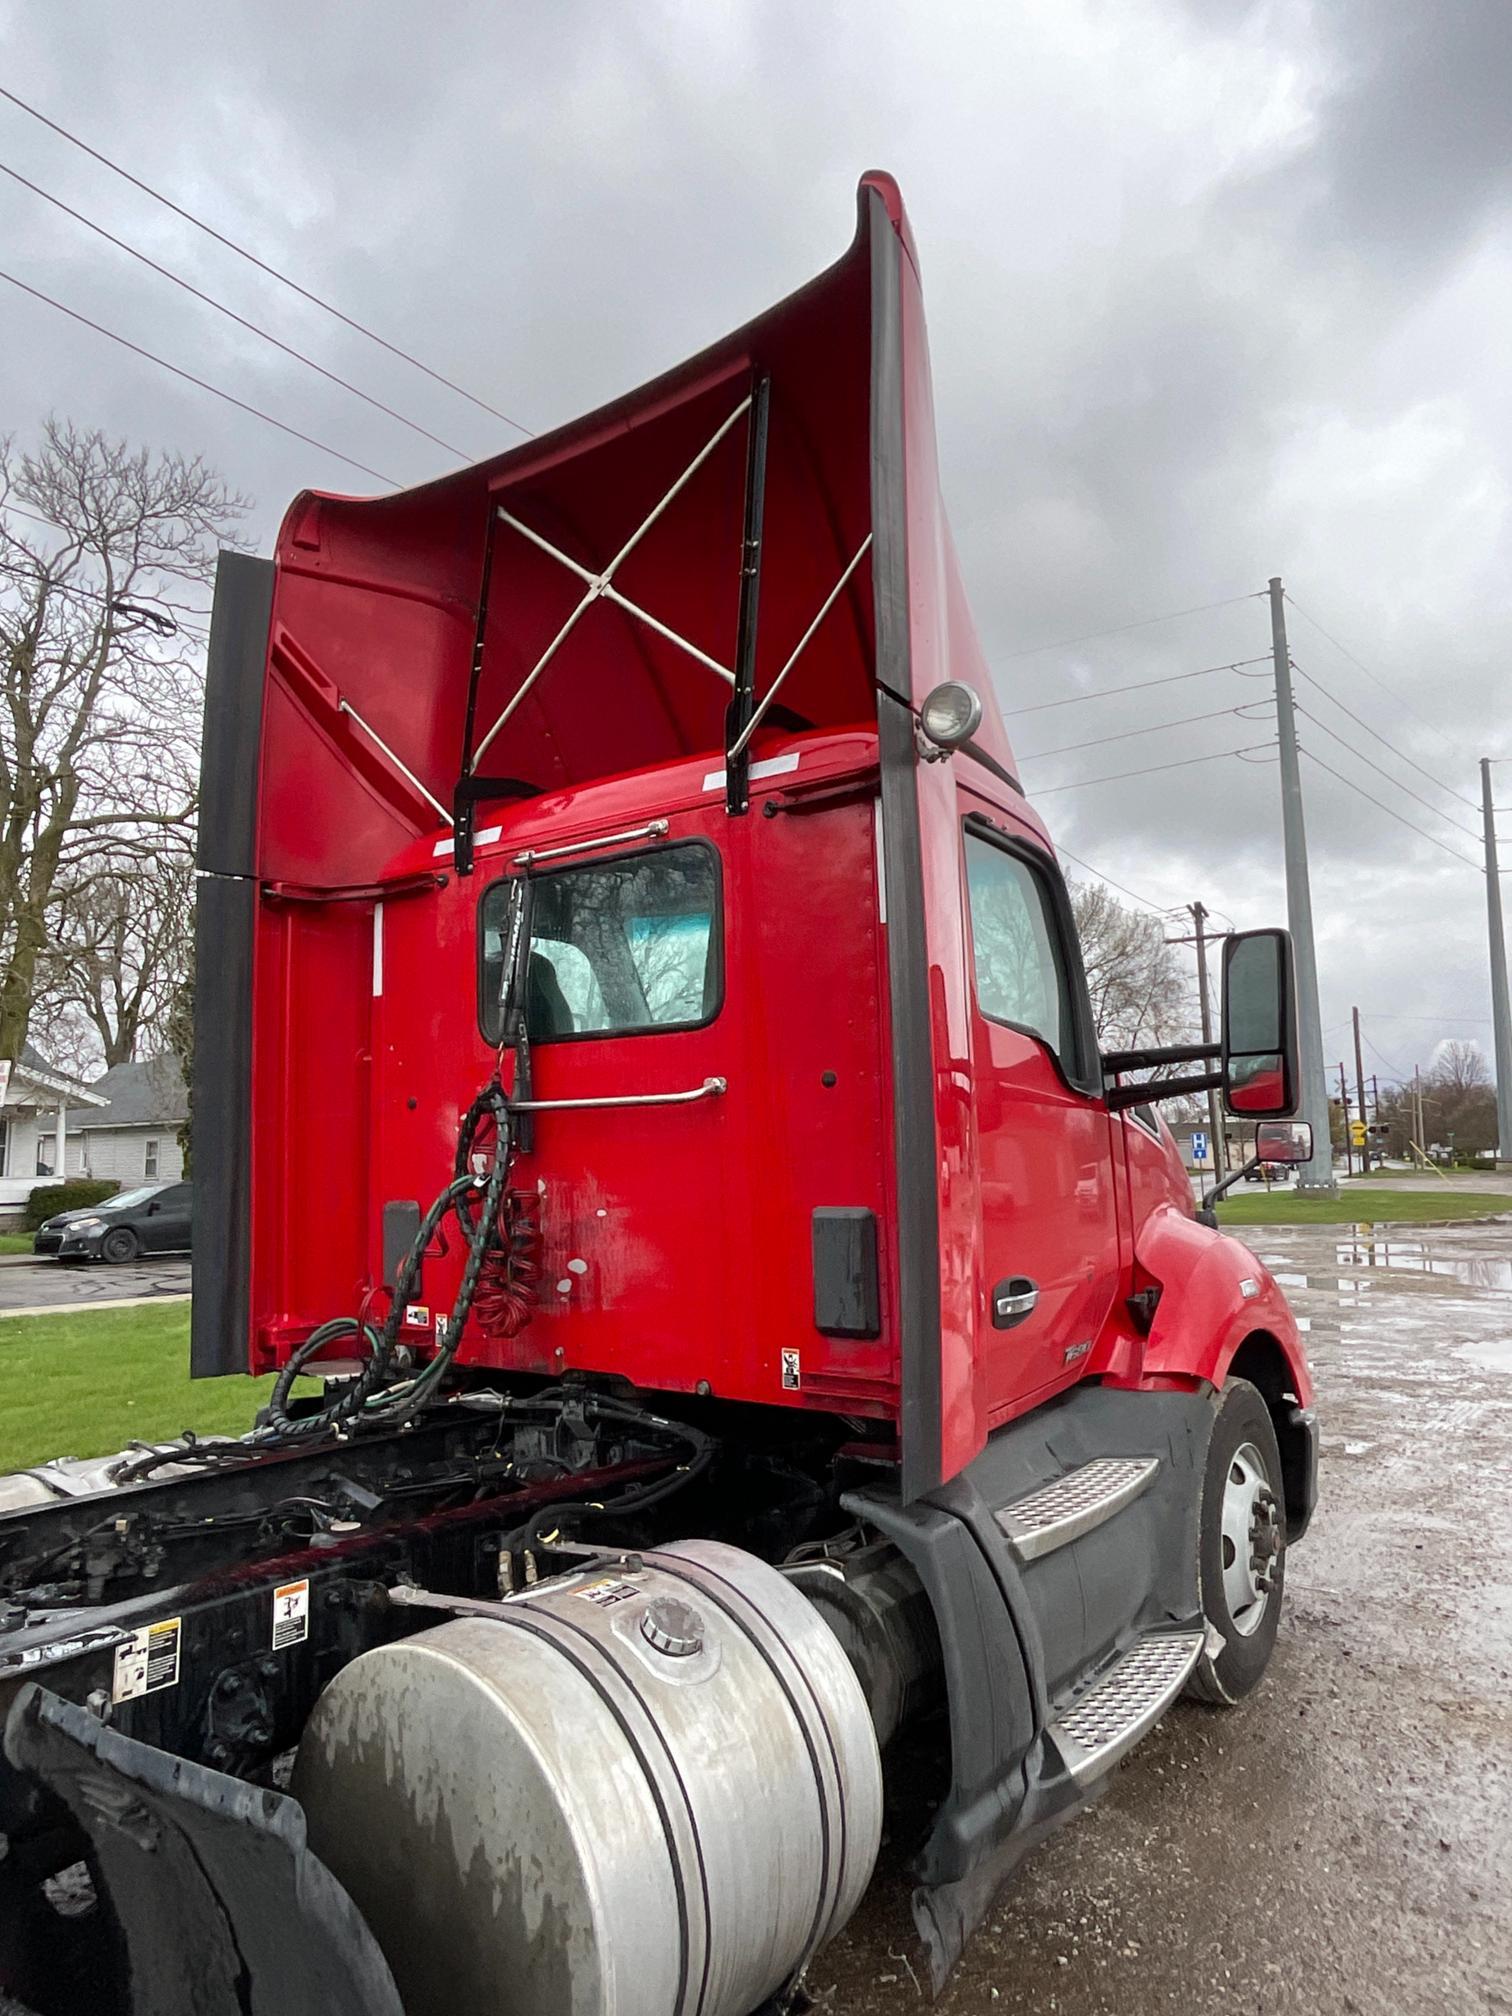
x=223, y=1910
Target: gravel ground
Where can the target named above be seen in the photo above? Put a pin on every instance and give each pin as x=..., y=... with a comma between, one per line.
x=1341, y=1845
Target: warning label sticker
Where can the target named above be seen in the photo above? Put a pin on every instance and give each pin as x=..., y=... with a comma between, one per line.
x=291, y=1614
x=791, y=1377
x=607, y=1592
x=147, y=1661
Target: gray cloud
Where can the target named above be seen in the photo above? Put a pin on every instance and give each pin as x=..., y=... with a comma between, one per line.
x=1214, y=293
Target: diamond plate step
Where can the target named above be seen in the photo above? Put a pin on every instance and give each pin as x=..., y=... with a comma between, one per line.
x=1069, y=1506
x=1093, y=1731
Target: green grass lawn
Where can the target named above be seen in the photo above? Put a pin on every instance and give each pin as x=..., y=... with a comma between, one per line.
x=1360, y=1206
x=86, y=1382
x=15, y=1242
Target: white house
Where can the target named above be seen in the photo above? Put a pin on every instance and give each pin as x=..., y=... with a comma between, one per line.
x=124, y=1126
x=38, y=1108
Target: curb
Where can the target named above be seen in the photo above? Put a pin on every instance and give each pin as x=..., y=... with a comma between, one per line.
x=83, y=1308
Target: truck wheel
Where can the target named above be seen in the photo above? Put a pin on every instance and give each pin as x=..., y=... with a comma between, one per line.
x=1242, y=1548
x=120, y=1243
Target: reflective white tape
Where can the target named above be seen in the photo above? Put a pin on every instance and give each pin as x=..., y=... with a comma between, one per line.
x=774, y=766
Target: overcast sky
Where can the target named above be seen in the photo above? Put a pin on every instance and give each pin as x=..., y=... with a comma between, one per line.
x=1216, y=291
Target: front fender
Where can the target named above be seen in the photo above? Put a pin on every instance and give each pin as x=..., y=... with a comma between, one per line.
x=1214, y=1293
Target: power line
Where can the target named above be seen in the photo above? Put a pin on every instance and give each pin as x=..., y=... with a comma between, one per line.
x=1125, y=734
x=1118, y=630
x=1401, y=754
x=189, y=377
x=1133, y=894
x=1134, y=686
x=1400, y=817
x=124, y=604
x=1183, y=763
x=254, y=328
x=1395, y=782
x=1374, y=678
x=261, y=264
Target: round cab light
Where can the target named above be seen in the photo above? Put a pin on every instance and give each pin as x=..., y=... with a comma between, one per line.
x=951, y=714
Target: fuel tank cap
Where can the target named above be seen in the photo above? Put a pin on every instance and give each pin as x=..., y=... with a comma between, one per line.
x=672, y=1627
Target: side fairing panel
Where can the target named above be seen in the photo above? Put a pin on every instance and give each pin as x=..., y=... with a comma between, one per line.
x=925, y=635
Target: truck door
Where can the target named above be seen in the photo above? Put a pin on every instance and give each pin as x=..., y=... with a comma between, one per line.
x=1049, y=1235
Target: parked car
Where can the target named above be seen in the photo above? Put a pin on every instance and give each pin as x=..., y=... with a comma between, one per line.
x=1266, y=1172
x=48, y=1236
x=152, y=1219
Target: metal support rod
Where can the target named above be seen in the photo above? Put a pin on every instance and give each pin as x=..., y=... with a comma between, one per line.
x=599, y=583
x=1501, y=1018
x=1316, y=1175
x=825, y=607
x=346, y=707
x=1344, y=1109
x=743, y=699
x=1360, y=1095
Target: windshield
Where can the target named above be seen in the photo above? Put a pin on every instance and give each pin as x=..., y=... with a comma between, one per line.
x=616, y=948
x=127, y=1197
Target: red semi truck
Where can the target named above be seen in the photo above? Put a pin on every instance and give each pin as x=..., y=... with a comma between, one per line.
x=645, y=1072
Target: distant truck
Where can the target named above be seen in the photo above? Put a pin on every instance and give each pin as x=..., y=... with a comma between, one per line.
x=645, y=1068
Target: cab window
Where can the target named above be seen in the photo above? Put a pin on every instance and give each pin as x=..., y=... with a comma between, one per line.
x=1019, y=958
x=617, y=948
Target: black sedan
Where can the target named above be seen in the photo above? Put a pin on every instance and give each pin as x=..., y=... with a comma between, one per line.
x=152, y=1219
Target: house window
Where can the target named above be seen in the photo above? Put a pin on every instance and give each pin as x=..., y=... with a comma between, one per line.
x=45, y=1145
x=150, y=1159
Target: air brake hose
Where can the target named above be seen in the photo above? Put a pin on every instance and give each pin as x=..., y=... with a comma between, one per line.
x=486, y=1230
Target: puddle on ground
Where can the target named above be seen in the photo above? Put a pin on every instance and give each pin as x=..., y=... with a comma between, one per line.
x=1417, y=1256
x=1495, y=1353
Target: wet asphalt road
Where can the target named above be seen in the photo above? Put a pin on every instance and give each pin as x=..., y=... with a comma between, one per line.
x=1340, y=1845
x=47, y=1284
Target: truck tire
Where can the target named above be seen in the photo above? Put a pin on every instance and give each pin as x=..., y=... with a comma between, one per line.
x=1241, y=1546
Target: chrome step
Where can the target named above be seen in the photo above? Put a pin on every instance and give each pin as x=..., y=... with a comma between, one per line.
x=1069, y=1506
x=1093, y=1731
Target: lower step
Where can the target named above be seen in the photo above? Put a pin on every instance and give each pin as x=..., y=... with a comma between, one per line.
x=1095, y=1729
x=1065, y=1508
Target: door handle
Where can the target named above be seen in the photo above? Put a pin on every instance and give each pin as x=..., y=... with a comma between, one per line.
x=1013, y=1300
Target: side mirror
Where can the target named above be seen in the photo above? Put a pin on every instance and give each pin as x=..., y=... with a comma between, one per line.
x=1261, y=1072
x=1284, y=1141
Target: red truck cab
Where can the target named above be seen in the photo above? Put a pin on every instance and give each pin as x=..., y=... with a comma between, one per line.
x=651, y=772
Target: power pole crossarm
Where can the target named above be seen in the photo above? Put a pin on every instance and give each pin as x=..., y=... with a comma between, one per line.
x=1316, y=1175
x=1500, y=1017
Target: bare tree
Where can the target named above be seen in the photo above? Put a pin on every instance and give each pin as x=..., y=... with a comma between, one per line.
x=100, y=544
x=121, y=946
x=1139, y=992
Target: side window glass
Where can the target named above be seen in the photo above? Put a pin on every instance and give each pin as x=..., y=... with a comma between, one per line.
x=1020, y=966
x=615, y=947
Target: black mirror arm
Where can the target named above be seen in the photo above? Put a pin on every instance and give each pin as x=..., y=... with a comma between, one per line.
x=1235, y=1176
x=1152, y=1056
x=1149, y=1090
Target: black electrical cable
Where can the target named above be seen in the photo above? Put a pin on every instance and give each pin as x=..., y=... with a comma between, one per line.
x=356, y=1399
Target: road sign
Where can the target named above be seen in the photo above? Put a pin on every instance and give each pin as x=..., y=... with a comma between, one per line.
x=1199, y=1148
x=1357, y=1133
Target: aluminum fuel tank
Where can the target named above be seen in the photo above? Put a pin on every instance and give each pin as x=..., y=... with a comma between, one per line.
x=646, y=1789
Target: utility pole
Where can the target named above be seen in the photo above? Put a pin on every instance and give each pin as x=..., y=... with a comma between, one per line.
x=1344, y=1108
x=1500, y=1018
x=1360, y=1092
x=1316, y=1175
x=1202, y=938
